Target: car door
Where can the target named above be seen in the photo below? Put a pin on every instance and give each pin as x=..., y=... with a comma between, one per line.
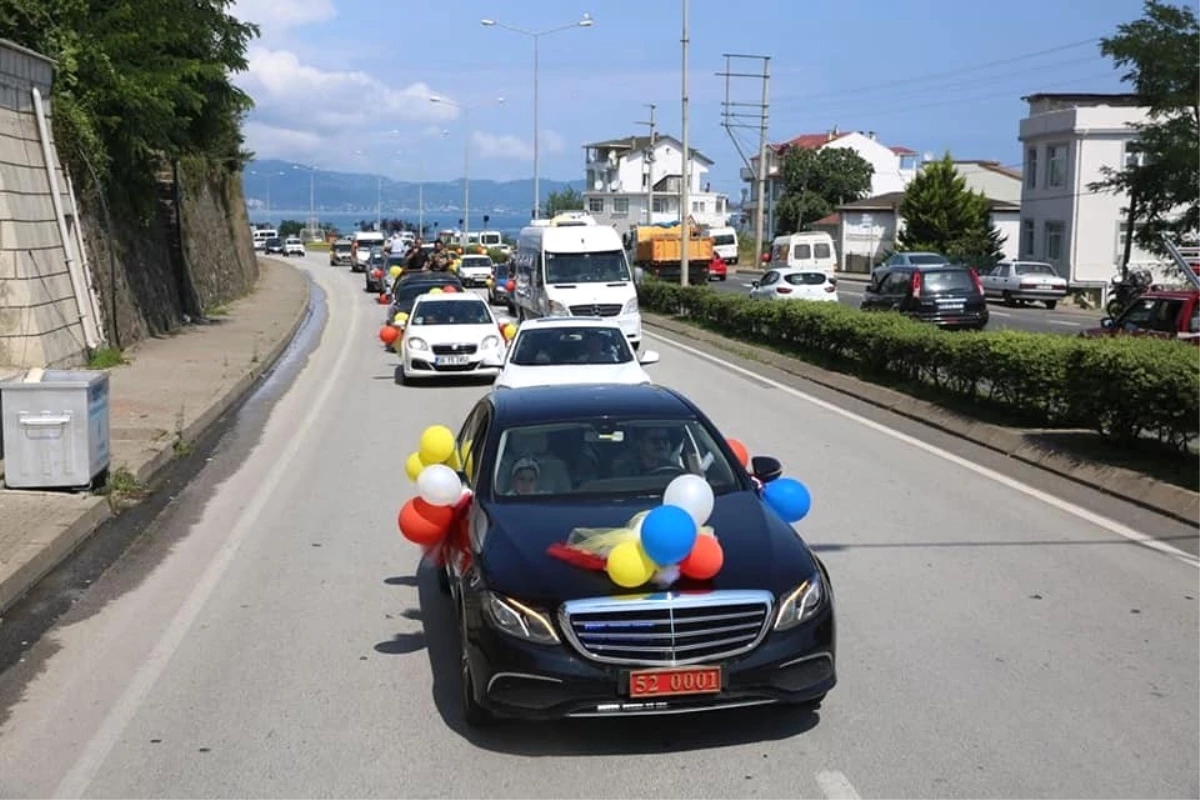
x=470, y=446
x=992, y=279
x=765, y=286
x=871, y=298
x=895, y=290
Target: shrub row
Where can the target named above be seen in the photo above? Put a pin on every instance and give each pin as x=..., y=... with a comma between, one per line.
x=1123, y=387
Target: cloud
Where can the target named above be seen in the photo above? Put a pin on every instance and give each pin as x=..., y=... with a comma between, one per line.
x=269, y=141
x=282, y=14
x=490, y=145
x=553, y=143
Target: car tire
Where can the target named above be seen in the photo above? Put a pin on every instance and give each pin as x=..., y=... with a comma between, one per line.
x=722, y=278
x=1051, y=305
x=1008, y=299
x=474, y=714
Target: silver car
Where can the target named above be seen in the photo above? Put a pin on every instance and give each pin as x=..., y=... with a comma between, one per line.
x=1018, y=282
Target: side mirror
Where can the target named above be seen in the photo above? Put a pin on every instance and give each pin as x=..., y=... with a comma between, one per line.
x=649, y=357
x=765, y=468
x=754, y=284
x=1107, y=322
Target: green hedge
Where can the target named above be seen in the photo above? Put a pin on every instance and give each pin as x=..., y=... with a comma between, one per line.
x=1122, y=387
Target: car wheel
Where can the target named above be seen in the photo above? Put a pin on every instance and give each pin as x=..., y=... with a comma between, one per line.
x=1051, y=305
x=474, y=713
x=1008, y=299
x=722, y=278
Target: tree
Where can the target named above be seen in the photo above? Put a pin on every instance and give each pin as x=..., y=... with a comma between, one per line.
x=942, y=215
x=566, y=200
x=816, y=182
x=290, y=227
x=1161, y=53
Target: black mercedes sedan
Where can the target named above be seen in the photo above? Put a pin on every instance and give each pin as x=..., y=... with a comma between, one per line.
x=544, y=637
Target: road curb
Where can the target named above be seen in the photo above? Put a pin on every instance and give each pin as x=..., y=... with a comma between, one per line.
x=97, y=509
x=1135, y=487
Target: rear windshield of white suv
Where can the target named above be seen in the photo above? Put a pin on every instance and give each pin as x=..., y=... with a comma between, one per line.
x=805, y=278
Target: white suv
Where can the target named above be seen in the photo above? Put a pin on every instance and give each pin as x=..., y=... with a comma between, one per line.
x=293, y=247
x=569, y=350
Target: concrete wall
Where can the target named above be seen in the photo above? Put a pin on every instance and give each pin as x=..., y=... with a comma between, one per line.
x=39, y=317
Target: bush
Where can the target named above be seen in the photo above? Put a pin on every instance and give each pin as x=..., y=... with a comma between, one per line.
x=1122, y=387
x=497, y=255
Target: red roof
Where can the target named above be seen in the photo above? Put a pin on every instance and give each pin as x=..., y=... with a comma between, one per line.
x=900, y=150
x=811, y=141
x=833, y=219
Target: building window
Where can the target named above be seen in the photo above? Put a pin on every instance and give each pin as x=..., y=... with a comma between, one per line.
x=596, y=205
x=1131, y=155
x=645, y=180
x=1056, y=166
x=1026, y=238
x=621, y=205
x=720, y=205
x=1053, y=243
x=1031, y=166
x=699, y=206
x=660, y=205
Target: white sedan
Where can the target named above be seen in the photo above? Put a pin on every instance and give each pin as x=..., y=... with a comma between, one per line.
x=570, y=350
x=450, y=334
x=795, y=283
x=293, y=247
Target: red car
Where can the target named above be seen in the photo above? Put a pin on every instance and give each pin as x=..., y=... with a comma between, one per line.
x=717, y=270
x=1161, y=314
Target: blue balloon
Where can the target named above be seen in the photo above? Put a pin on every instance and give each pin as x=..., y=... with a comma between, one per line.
x=668, y=535
x=789, y=498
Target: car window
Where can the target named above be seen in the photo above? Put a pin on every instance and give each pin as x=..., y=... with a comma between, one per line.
x=612, y=458
x=821, y=250
x=1160, y=314
x=769, y=278
x=724, y=239
x=574, y=345
x=926, y=259
x=802, y=252
x=1194, y=322
x=805, y=278
x=451, y=312
x=779, y=253
x=947, y=280
x=1036, y=269
x=603, y=267
x=471, y=438
x=894, y=260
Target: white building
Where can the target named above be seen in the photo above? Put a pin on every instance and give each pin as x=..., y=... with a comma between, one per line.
x=866, y=229
x=1067, y=140
x=620, y=177
x=894, y=166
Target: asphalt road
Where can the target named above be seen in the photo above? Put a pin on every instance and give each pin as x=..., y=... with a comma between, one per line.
x=272, y=634
x=1064, y=320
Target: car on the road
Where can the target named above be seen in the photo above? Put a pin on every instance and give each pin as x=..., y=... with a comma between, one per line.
x=415, y=284
x=544, y=639
x=912, y=258
x=376, y=273
x=450, y=334
x=498, y=291
x=718, y=270
x=292, y=246
x=341, y=253
x=1017, y=282
x=795, y=283
x=475, y=270
x=946, y=296
x=570, y=350
x=1159, y=314
x=274, y=246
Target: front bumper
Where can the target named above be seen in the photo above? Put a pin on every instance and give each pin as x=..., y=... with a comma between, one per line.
x=955, y=320
x=476, y=279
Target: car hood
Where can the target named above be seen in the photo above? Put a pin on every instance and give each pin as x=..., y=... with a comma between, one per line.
x=517, y=377
x=452, y=334
x=761, y=550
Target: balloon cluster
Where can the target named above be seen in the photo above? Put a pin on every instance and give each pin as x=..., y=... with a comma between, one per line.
x=787, y=497
x=669, y=540
x=426, y=518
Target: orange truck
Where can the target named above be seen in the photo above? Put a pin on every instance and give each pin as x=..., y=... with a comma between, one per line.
x=657, y=249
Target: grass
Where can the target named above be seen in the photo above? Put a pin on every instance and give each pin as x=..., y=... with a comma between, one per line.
x=122, y=489
x=219, y=311
x=320, y=247
x=106, y=358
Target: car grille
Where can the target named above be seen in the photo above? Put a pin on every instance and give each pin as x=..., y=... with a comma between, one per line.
x=667, y=628
x=454, y=349
x=597, y=310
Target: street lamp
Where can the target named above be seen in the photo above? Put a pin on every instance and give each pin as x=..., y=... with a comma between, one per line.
x=421, y=188
x=466, y=229
x=269, y=175
x=313, y=222
x=585, y=22
x=378, y=193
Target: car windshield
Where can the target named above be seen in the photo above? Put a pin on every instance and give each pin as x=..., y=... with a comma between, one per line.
x=574, y=345
x=724, y=239
x=1036, y=269
x=926, y=259
x=605, y=267
x=342, y=247
x=395, y=261
x=408, y=293
x=947, y=280
x=614, y=457
x=451, y=312
x=477, y=261
x=273, y=242
x=805, y=278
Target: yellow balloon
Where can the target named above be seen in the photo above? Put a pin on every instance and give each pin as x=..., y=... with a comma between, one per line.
x=629, y=566
x=510, y=331
x=454, y=462
x=490, y=283
x=468, y=460
x=413, y=466
x=400, y=318
x=395, y=272
x=435, y=290
x=437, y=445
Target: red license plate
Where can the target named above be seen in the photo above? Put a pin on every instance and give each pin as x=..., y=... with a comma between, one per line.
x=675, y=681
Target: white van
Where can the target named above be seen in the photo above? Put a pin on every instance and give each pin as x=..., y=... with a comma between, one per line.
x=811, y=250
x=261, y=235
x=360, y=248
x=575, y=270
x=493, y=240
x=725, y=244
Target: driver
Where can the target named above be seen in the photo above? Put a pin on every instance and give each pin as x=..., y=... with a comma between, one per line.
x=652, y=452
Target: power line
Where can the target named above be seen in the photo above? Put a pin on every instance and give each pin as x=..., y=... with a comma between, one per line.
x=729, y=114
x=949, y=73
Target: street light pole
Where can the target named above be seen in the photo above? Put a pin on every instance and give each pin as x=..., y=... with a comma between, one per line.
x=466, y=161
x=685, y=189
x=585, y=22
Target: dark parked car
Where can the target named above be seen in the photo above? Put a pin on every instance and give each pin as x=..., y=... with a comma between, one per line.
x=412, y=285
x=376, y=262
x=274, y=245
x=544, y=639
x=946, y=296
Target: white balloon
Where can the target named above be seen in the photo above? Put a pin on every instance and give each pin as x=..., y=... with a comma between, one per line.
x=693, y=494
x=439, y=485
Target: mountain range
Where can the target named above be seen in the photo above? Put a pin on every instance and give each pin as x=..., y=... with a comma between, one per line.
x=284, y=185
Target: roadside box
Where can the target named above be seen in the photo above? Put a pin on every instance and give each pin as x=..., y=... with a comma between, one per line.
x=56, y=429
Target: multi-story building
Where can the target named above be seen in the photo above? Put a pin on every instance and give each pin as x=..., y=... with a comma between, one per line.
x=1068, y=140
x=625, y=176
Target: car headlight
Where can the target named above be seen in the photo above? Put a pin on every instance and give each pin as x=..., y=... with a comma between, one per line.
x=630, y=307
x=489, y=342
x=508, y=616
x=799, y=605
x=557, y=309
x=417, y=344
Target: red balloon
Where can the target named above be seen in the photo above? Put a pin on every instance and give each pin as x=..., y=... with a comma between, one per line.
x=510, y=286
x=705, y=560
x=376, y=273
x=739, y=450
x=449, y=289
x=388, y=334
x=382, y=300
x=424, y=524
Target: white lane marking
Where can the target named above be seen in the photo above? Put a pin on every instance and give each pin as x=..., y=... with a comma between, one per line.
x=1064, y=322
x=836, y=786
x=1098, y=520
x=1000, y=314
x=98, y=748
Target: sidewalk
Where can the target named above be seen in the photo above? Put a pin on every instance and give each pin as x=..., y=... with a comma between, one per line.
x=169, y=392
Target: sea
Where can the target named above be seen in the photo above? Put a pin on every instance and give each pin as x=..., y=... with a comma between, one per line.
x=509, y=225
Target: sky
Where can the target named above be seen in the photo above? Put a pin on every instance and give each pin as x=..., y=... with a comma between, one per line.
x=346, y=84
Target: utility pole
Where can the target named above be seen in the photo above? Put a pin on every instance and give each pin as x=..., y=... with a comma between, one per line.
x=685, y=189
x=650, y=165
x=730, y=116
